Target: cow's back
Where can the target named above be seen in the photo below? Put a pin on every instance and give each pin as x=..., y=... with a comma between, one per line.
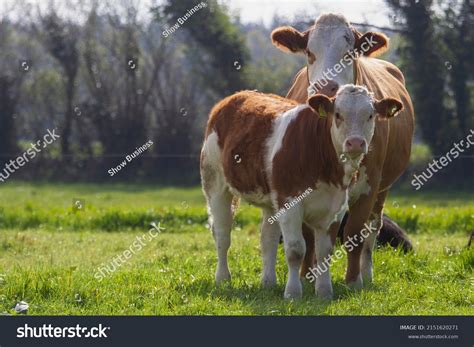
x=386, y=80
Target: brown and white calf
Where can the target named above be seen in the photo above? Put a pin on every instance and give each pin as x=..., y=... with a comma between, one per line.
x=283, y=156
x=338, y=54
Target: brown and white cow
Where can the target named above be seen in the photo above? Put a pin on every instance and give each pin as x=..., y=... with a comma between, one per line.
x=283, y=157
x=338, y=54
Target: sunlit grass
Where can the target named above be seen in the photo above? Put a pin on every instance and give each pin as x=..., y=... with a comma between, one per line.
x=49, y=255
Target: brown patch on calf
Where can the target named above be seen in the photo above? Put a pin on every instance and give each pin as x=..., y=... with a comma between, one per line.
x=243, y=123
x=307, y=156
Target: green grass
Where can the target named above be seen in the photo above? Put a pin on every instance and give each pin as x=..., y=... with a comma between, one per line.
x=50, y=253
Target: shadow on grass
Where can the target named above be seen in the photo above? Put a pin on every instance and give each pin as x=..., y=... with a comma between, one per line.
x=270, y=301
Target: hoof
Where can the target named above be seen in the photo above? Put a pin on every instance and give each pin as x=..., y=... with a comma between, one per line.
x=294, y=291
x=324, y=293
x=268, y=281
x=222, y=276
x=367, y=277
x=357, y=284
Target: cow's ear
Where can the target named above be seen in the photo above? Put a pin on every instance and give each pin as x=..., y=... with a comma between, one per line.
x=321, y=104
x=388, y=107
x=371, y=44
x=290, y=40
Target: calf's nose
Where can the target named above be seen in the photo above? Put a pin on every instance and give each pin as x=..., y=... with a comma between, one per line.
x=355, y=145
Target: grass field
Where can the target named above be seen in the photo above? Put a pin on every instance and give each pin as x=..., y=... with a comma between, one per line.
x=49, y=253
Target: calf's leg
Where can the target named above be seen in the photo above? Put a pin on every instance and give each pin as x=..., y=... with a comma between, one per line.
x=293, y=241
x=324, y=244
x=220, y=208
x=269, y=240
x=219, y=203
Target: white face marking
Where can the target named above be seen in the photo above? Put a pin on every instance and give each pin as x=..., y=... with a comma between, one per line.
x=329, y=41
x=354, y=118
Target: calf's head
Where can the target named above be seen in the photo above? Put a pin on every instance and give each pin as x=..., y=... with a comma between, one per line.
x=353, y=113
x=330, y=45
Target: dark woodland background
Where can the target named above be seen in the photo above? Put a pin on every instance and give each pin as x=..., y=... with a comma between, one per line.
x=110, y=81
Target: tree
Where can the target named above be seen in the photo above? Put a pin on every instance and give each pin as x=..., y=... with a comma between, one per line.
x=61, y=41
x=11, y=79
x=458, y=34
x=227, y=54
x=424, y=69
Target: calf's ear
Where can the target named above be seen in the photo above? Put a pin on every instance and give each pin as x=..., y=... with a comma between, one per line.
x=321, y=104
x=289, y=39
x=388, y=107
x=371, y=44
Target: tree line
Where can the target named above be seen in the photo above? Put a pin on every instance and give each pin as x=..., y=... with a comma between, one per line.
x=107, y=78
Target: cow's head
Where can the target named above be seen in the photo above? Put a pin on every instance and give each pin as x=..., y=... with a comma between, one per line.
x=330, y=45
x=353, y=112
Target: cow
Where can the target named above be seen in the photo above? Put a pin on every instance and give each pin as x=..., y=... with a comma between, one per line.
x=338, y=54
x=282, y=156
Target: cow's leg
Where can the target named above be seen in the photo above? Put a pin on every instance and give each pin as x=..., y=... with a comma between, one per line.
x=324, y=243
x=291, y=227
x=309, y=258
x=358, y=215
x=269, y=240
x=375, y=224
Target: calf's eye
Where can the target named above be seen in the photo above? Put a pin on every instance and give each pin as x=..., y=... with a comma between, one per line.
x=338, y=116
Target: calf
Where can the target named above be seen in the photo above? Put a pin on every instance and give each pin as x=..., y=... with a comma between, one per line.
x=285, y=158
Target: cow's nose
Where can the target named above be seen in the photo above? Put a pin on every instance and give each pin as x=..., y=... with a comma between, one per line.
x=330, y=89
x=355, y=145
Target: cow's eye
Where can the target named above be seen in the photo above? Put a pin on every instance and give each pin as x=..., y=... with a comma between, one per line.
x=338, y=116
x=371, y=116
x=311, y=56
x=347, y=38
